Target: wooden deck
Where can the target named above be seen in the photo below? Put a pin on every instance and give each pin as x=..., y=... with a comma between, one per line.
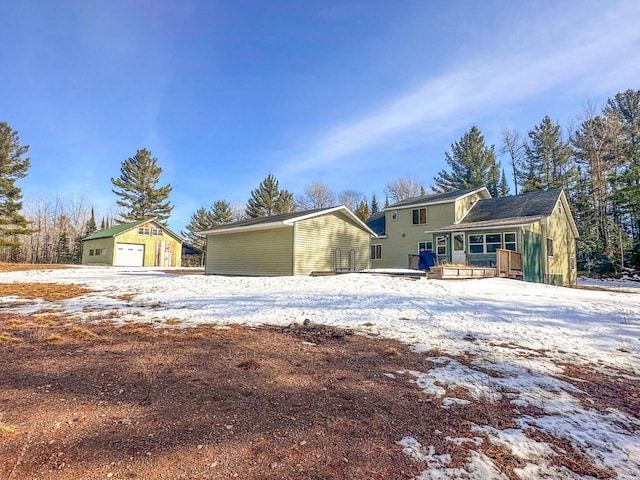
x=453, y=272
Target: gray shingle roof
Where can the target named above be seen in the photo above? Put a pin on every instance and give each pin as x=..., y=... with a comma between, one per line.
x=272, y=219
x=535, y=204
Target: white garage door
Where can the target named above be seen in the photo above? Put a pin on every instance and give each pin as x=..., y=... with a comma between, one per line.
x=129, y=255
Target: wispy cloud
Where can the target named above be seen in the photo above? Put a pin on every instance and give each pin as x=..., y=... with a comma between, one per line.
x=586, y=56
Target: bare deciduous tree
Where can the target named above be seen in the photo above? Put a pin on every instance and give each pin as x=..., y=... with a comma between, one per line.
x=403, y=188
x=316, y=195
x=351, y=199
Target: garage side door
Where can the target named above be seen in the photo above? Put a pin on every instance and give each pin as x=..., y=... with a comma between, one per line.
x=129, y=255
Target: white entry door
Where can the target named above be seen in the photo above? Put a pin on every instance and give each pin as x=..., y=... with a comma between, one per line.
x=129, y=255
x=459, y=254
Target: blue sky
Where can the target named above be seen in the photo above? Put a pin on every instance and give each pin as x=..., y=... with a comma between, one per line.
x=349, y=93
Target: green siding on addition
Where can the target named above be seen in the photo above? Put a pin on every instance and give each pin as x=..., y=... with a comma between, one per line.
x=257, y=252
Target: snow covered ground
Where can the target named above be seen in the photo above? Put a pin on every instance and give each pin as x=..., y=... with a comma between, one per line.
x=523, y=332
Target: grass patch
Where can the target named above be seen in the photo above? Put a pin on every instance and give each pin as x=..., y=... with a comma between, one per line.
x=173, y=321
x=5, y=338
x=81, y=332
x=392, y=352
x=20, y=267
x=49, y=292
x=7, y=430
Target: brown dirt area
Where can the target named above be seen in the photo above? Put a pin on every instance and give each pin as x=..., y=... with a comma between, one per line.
x=92, y=401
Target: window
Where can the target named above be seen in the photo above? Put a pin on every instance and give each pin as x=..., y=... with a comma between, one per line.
x=489, y=243
x=101, y=251
x=476, y=243
x=441, y=245
x=422, y=246
x=156, y=232
x=419, y=216
x=144, y=231
x=91, y=252
x=493, y=242
x=394, y=215
x=572, y=263
x=550, y=247
x=510, y=241
x=376, y=252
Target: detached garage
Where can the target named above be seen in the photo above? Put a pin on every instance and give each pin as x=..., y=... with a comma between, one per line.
x=145, y=243
x=298, y=243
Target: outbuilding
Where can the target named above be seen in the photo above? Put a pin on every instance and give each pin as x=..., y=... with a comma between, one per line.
x=144, y=243
x=298, y=243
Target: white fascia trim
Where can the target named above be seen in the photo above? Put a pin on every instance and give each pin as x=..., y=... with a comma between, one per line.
x=426, y=204
x=246, y=228
x=494, y=227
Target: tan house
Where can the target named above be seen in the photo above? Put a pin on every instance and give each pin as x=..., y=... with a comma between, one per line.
x=469, y=227
x=298, y=243
x=145, y=243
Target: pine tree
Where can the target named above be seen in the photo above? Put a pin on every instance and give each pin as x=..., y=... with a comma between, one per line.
x=140, y=197
x=472, y=164
x=90, y=227
x=221, y=212
x=362, y=212
x=200, y=221
x=503, y=186
x=12, y=167
x=374, y=204
x=103, y=224
x=548, y=158
x=267, y=199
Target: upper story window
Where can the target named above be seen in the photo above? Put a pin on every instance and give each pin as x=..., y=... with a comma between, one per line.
x=419, y=216
x=153, y=231
x=394, y=215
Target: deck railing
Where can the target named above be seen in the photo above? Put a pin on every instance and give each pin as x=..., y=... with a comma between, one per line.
x=509, y=263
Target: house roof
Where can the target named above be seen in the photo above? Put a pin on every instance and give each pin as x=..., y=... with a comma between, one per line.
x=124, y=227
x=282, y=220
x=434, y=198
x=113, y=231
x=535, y=204
x=377, y=223
x=512, y=211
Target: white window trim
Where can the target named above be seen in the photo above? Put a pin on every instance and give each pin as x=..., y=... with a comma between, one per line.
x=426, y=218
x=445, y=245
x=426, y=242
x=374, y=257
x=549, y=239
x=485, y=243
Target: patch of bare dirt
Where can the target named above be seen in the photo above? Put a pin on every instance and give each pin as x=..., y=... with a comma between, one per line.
x=305, y=402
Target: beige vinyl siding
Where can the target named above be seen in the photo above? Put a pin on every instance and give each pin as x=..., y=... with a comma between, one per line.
x=317, y=238
x=464, y=204
x=99, y=243
x=403, y=237
x=564, y=246
x=257, y=252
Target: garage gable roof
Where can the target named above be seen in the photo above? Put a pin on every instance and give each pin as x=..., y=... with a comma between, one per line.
x=283, y=220
x=124, y=227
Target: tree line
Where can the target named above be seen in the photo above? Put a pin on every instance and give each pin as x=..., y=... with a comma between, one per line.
x=597, y=163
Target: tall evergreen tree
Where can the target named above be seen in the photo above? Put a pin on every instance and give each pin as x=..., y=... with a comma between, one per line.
x=221, y=213
x=12, y=167
x=90, y=227
x=503, y=186
x=625, y=108
x=267, y=199
x=140, y=197
x=472, y=165
x=200, y=221
x=547, y=158
x=375, y=208
x=362, y=212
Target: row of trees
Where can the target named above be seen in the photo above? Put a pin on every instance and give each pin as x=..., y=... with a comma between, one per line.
x=597, y=163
